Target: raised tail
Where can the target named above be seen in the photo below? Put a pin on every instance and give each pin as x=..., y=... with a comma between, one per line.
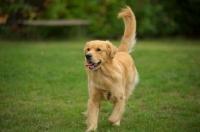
x=128, y=39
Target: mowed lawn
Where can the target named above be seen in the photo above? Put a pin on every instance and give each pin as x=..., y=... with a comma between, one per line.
x=43, y=87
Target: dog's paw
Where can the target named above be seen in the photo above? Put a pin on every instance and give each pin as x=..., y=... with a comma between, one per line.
x=112, y=119
x=92, y=128
x=117, y=123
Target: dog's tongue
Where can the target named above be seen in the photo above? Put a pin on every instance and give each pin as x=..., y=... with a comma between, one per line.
x=89, y=65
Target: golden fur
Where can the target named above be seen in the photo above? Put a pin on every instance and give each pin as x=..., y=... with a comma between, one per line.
x=112, y=74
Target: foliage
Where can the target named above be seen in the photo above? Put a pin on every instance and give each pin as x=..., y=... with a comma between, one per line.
x=155, y=18
x=43, y=87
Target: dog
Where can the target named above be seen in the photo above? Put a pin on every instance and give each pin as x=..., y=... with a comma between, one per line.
x=111, y=71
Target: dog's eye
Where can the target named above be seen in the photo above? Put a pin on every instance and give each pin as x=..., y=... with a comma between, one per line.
x=88, y=49
x=98, y=49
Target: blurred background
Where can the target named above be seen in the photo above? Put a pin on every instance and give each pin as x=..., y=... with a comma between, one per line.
x=155, y=18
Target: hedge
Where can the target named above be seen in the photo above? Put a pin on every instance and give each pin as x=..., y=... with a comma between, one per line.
x=155, y=18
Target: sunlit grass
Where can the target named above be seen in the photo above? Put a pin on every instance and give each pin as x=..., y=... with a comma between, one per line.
x=43, y=87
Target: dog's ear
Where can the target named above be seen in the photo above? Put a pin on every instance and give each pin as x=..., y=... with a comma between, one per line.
x=112, y=50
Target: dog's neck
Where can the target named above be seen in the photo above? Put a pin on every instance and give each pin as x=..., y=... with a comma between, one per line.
x=103, y=69
x=106, y=70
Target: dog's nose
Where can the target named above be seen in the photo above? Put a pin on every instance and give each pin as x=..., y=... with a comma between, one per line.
x=88, y=56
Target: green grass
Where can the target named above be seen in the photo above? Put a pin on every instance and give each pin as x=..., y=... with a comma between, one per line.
x=43, y=87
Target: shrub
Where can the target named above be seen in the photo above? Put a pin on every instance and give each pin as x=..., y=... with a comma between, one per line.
x=155, y=18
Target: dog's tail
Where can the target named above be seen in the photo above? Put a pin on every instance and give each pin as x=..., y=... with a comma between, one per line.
x=128, y=39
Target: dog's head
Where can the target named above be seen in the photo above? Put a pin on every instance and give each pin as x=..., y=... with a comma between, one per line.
x=97, y=53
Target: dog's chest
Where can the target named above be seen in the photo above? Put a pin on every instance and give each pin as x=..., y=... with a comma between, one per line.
x=105, y=79
x=103, y=83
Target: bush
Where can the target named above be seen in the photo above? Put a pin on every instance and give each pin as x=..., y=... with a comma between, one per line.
x=155, y=18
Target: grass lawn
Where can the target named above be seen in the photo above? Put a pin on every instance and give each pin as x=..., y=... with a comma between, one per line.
x=43, y=87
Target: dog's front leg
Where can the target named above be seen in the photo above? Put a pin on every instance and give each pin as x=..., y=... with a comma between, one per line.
x=119, y=105
x=92, y=113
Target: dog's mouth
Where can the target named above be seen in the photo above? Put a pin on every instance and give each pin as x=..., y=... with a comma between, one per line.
x=92, y=65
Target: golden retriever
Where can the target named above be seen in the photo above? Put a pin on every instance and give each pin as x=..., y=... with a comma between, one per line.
x=112, y=74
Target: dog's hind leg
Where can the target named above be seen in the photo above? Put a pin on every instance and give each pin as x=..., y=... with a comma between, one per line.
x=128, y=90
x=130, y=86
